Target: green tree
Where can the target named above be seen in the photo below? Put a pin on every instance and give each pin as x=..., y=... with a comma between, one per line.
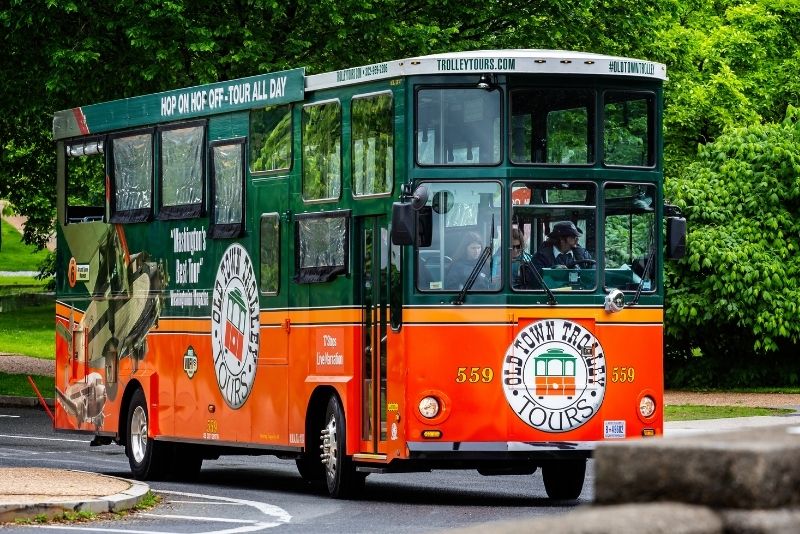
x=737, y=292
x=59, y=54
x=731, y=63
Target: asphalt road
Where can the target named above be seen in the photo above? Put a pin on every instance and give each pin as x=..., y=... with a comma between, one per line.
x=252, y=494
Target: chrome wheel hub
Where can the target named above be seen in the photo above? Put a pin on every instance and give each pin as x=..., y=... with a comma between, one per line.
x=330, y=448
x=138, y=439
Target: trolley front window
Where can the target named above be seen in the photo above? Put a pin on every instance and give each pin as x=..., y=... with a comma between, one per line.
x=556, y=222
x=630, y=250
x=464, y=220
x=458, y=127
x=628, y=129
x=552, y=126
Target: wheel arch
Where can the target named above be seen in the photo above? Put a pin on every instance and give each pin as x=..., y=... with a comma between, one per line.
x=124, y=404
x=315, y=415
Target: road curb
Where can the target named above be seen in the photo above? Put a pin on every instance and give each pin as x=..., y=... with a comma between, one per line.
x=7, y=401
x=118, y=502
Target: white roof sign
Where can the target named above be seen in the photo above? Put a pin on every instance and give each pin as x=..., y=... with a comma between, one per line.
x=493, y=61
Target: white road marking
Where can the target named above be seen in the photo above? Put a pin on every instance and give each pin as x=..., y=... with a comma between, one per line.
x=195, y=518
x=97, y=529
x=277, y=516
x=9, y=416
x=45, y=439
x=171, y=501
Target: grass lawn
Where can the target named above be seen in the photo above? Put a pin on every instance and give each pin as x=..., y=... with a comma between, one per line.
x=18, y=385
x=692, y=412
x=15, y=255
x=30, y=331
x=17, y=285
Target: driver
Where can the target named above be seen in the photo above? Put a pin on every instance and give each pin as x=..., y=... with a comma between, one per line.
x=561, y=250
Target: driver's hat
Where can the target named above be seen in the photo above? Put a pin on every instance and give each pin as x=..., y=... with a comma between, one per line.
x=565, y=229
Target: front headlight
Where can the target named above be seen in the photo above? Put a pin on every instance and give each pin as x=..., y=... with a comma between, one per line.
x=615, y=301
x=647, y=406
x=429, y=407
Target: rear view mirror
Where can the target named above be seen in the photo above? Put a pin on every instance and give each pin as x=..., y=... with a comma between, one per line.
x=676, y=238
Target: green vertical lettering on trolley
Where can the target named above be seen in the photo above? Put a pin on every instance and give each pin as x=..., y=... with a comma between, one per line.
x=221, y=97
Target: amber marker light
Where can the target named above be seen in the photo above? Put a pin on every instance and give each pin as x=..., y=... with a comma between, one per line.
x=649, y=432
x=431, y=434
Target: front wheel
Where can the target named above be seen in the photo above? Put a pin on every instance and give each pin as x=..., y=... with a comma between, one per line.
x=340, y=474
x=145, y=456
x=563, y=480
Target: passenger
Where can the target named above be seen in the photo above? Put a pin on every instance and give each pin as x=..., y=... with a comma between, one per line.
x=519, y=255
x=468, y=255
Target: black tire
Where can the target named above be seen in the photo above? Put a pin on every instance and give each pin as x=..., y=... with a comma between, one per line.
x=341, y=477
x=310, y=468
x=309, y=464
x=563, y=480
x=145, y=456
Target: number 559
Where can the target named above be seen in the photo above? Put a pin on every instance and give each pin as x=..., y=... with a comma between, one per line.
x=474, y=375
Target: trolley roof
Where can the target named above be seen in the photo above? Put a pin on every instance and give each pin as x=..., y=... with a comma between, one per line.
x=493, y=61
x=290, y=86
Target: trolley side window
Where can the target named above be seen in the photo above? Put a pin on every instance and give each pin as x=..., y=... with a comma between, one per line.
x=182, y=171
x=227, y=188
x=373, y=144
x=131, y=177
x=629, y=129
x=271, y=139
x=85, y=181
x=321, y=245
x=270, y=253
x=322, y=146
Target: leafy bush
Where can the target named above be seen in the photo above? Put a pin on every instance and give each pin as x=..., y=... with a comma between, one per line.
x=734, y=297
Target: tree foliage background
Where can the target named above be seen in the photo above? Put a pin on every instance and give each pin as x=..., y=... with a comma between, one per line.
x=732, y=67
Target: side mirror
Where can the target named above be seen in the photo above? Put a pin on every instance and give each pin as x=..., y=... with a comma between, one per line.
x=676, y=238
x=402, y=224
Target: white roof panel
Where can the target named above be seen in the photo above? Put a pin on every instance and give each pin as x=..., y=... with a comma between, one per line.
x=493, y=61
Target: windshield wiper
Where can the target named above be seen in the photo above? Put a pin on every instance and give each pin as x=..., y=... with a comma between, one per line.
x=485, y=255
x=651, y=254
x=551, y=298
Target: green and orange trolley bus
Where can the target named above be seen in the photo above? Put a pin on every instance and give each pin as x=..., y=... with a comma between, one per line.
x=341, y=268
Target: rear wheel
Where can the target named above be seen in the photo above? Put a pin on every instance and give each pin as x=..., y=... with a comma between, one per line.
x=340, y=474
x=563, y=480
x=145, y=456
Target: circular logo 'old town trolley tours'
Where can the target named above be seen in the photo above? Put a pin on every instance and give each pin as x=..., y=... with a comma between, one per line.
x=554, y=375
x=235, y=326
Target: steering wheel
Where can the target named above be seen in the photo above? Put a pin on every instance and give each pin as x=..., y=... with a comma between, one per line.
x=585, y=261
